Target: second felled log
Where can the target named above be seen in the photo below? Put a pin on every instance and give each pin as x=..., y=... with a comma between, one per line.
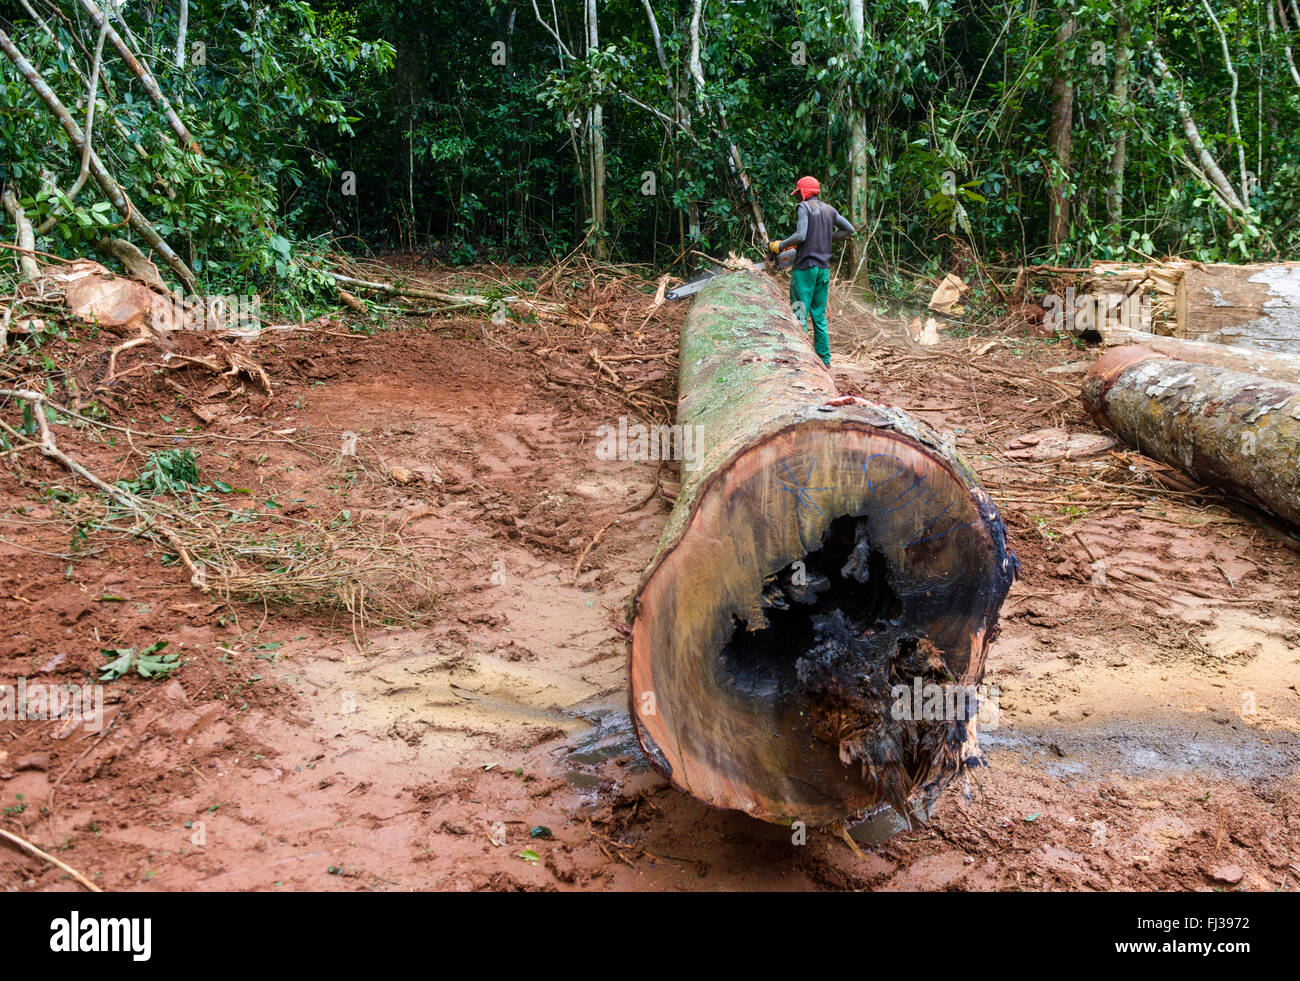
x=824, y=554
x=1230, y=429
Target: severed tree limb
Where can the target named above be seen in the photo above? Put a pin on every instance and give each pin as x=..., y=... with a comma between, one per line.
x=26, y=238
x=136, y=505
x=146, y=79
x=107, y=183
x=457, y=299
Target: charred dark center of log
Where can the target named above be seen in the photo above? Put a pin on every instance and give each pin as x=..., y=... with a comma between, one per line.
x=836, y=649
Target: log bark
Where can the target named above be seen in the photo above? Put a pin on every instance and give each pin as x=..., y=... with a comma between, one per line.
x=1119, y=99
x=1267, y=364
x=1059, y=137
x=1253, y=305
x=1229, y=429
x=822, y=551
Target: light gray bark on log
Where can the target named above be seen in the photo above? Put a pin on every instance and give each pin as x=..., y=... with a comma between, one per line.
x=1229, y=429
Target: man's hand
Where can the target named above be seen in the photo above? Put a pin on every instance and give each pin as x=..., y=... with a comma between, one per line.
x=774, y=247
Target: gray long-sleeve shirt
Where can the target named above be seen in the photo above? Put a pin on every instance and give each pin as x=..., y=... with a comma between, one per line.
x=818, y=223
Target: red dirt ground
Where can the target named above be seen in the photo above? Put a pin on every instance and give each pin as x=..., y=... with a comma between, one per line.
x=1149, y=733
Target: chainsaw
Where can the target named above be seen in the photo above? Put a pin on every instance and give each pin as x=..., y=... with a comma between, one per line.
x=784, y=261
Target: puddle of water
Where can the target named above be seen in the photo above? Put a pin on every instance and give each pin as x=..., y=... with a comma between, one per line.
x=610, y=736
x=881, y=825
x=1173, y=745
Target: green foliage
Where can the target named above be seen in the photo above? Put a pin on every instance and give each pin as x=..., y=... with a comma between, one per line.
x=263, y=85
x=147, y=663
x=166, y=472
x=466, y=131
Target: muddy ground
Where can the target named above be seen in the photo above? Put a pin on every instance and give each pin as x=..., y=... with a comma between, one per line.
x=1149, y=727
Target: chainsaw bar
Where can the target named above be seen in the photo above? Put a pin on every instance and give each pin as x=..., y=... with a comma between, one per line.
x=784, y=261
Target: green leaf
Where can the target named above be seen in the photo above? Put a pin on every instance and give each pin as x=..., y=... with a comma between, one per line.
x=148, y=663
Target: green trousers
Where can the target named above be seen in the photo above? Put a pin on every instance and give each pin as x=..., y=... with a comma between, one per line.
x=808, y=288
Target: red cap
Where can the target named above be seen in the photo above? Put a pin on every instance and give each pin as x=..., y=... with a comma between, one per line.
x=805, y=188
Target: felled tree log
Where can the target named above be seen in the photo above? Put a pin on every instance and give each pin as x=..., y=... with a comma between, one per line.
x=1250, y=305
x=1269, y=364
x=822, y=552
x=1237, y=431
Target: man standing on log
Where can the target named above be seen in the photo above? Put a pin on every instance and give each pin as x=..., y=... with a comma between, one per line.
x=810, y=279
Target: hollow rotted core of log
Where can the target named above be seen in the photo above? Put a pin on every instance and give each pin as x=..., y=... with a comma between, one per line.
x=825, y=554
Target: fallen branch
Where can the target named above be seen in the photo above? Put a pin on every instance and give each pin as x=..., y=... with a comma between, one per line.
x=458, y=299
x=363, y=570
x=27, y=846
x=137, y=506
x=146, y=79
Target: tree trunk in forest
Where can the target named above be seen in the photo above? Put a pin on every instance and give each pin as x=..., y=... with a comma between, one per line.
x=1208, y=170
x=1119, y=94
x=1235, y=431
x=1233, y=117
x=600, y=246
x=1286, y=48
x=181, y=30
x=680, y=118
x=1059, y=136
x=857, y=141
x=734, y=159
x=825, y=557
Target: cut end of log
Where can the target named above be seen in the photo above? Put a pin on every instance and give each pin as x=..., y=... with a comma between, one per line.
x=827, y=574
x=1117, y=359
